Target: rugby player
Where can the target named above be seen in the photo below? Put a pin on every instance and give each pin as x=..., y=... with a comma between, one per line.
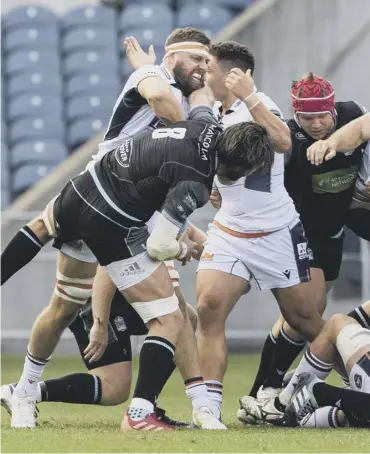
x=151, y=93
x=256, y=234
x=171, y=170
x=322, y=194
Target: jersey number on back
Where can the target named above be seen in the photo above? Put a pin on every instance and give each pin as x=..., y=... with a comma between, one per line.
x=172, y=133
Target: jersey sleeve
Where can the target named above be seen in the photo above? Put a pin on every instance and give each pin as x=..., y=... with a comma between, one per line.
x=204, y=113
x=182, y=199
x=145, y=71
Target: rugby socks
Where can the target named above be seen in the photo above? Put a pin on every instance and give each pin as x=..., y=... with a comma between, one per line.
x=215, y=393
x=155, y=364
x=267, y=355
x=32, y=371
x=309, y=363
x=325, y=417
x=355, y=404
x=196, y=391
x=24, y=246
x=73, y=389
x=286, y=351
x=360, y=316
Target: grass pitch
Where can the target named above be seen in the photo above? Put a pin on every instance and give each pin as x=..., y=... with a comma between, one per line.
x=87, y=428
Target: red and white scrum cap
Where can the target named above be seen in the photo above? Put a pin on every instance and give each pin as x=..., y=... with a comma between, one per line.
x=313, y=95
x=192, y=47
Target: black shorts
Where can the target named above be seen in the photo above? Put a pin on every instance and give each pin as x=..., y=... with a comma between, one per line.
x=326, y=255
x=81, y=213
x=358, y=220
x=123, y=322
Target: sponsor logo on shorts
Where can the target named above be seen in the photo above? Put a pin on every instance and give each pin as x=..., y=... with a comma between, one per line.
x=120, y=323
x=207, y=256
x=287, y=275
x=78, y=245
x=310, y=253
x=302, y=251
x=132, y=270
x=358, y=381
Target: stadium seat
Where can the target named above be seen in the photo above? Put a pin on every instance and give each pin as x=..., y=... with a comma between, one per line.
x=35, y=106
x=90, y=62
x=30, y=62
x=90, y=16
x=39, y=83
x=151, y=2
x=145, y=16
x=31, y=16
x=232, y=4
x=42, y=152
x=203, y=16
x=31, y=38
x=89, y=39
x=147, y=36
x=28, y=175
x=4, y=166
x=81, y=131
x=88, y=106
x=36, y=129
x=98, y=82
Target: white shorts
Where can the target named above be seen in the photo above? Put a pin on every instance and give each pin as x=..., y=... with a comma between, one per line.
x=277, y=260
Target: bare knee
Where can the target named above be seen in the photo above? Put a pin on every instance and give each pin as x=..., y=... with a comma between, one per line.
x=306, y=323
x=211, y=313
x=174, y=322
x=192, y=315
x=115, y=383
x=62, y=312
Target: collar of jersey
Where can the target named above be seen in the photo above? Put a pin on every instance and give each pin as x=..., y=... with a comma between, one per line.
x=168, y=75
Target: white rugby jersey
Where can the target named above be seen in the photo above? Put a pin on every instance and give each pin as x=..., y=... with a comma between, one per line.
x=131, y=113
x=257, y=203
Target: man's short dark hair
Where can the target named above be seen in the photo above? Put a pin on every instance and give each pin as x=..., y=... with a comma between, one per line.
x=187, y=34
x=233, y=55
x=246, y=145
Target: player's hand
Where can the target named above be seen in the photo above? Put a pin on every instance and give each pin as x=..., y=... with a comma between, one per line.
x=98, y=342
x=193, y=248
x=135, y=54
x=215, y=198
x=240, y=83
x=320, y=151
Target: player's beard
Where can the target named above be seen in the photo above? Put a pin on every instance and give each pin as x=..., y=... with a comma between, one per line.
x=185, y=81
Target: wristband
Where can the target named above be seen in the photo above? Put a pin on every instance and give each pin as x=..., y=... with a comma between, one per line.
x=183, y=251
x=252, y=101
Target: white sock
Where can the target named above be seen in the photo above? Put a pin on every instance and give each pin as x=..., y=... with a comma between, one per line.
x=323, y=418
x=139, y=408
x=38, y=392
x=32, y=371
x=196, y=391
x=309, y=363
x=215, y=393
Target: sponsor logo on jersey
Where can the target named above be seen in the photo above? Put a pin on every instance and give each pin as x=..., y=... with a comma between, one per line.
x=300, y=136
x=358, y=381
x=123, y=154
x=132, y=270
x=120, y=323
x=302, y=251
x=206, y=141
x=334, y=181
x=190, y=202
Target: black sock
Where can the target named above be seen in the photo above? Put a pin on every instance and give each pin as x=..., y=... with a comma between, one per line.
x=74, y=389
x=360, y=316
x=286, y=351
x=355, y=404
x=267, y=354
x=155, y=365
x=170, y=372
x=21, y=250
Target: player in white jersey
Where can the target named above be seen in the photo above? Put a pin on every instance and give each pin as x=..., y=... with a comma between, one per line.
x=256, y=234
x=186, y=56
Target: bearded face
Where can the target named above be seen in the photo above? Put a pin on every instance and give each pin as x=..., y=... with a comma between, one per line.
x=189, y=73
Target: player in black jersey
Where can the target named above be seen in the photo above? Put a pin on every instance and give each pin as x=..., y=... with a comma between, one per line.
x=170, y=170
x=322, y=195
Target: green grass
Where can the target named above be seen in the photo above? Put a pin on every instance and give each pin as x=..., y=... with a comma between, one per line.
x=82, y=428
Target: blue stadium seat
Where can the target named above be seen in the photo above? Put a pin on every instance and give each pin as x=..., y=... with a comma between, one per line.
x=41, y=152
x=35, y=106
x=145, y=16
x=203, y=16
x=4, y=133
x=87, y=106
x=147, y=36
x=31, y=62
x=36, y=129
x=232, y=4
x=28, y=175
x=89, y=39
x=98, y=82
x=4, y=166
x=31, y=38
x=31, y=16
x=88, y=16
x=126, y=69
x=90, y=62
x=81, y=131
x=151, y=2
x=39, y=83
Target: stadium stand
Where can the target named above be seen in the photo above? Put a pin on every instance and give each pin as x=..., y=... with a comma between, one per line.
x=62, y=71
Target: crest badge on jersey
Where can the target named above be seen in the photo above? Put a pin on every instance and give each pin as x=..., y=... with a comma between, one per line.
x=358, y=381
